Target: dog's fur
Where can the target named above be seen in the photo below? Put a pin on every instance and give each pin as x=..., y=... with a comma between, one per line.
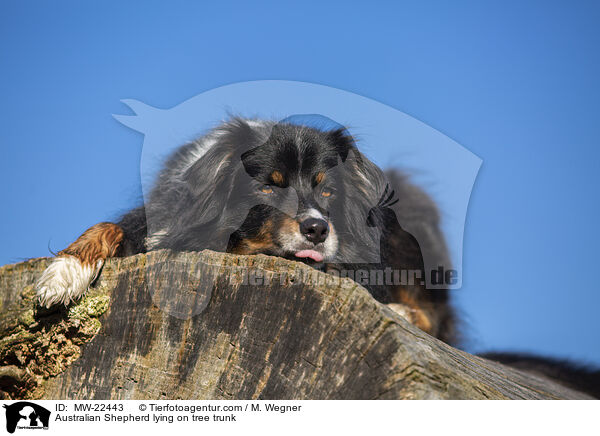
x=248, y=186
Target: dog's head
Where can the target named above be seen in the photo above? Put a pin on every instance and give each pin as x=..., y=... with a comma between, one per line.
x=282, y=189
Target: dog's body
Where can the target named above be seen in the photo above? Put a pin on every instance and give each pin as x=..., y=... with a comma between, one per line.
x=280, y=189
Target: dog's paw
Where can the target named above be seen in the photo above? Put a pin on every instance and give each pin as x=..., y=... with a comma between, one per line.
x=65, y=280
x=415, y=316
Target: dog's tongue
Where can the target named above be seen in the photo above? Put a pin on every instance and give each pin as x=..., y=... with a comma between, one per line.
x=314, y=255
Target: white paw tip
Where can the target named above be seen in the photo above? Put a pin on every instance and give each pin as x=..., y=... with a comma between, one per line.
x=65, y=280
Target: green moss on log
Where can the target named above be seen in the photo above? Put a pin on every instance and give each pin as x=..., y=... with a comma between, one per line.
x=43, y=343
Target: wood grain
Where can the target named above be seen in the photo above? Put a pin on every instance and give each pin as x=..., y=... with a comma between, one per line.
x=211, y=325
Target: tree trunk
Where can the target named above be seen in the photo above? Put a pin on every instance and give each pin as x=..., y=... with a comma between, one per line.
x=211, y=325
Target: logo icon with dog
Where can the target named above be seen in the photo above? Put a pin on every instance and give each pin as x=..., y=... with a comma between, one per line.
x=26, y=415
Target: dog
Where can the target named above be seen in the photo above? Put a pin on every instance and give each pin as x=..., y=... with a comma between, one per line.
x=282, y=189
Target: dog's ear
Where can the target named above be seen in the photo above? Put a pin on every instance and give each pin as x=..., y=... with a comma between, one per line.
x=193, y=216
x=364, y=185
x=365, y=180
x=342, y=141
x=366, y=176
x=209, y=180
x=225, y=146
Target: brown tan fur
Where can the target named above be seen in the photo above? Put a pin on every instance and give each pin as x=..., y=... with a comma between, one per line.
x=98, y=242
x=263, y=241
x=319, y=177
x=277, y=178
x=421, y=312
x=288, y=225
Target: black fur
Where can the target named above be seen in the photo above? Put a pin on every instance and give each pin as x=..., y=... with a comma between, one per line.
x=573, y=375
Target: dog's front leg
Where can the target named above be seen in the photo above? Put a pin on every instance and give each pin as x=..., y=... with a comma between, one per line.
x=74, y=269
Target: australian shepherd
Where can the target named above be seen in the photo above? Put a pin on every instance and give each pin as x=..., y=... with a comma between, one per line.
x=282, y=189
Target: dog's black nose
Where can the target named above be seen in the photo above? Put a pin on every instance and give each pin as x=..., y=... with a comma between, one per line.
x=314, y=229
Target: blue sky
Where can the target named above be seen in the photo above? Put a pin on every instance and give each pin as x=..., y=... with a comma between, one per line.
x=515, y=83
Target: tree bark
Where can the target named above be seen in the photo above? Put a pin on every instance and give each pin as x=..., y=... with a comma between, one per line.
x=211, y=325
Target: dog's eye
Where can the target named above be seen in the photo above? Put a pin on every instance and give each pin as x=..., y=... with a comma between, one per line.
x=326, y=192
x=266, y=189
